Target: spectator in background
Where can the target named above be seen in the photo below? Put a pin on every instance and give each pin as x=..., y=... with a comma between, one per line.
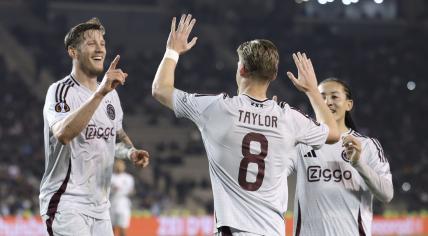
x=122, y=187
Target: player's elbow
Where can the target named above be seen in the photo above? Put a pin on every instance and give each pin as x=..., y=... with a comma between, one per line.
x=163, y=95
x=388, y=197
x=59, y=132
x=156, y=92
x=63, y=138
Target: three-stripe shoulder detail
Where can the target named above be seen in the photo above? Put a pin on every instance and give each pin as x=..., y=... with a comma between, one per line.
x=281, y=104
x=62, y=89
x=381, y=154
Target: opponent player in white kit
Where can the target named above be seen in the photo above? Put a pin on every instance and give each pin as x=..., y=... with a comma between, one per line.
x=82, y=120
x=336, y=184
x=249, y=139
x=122, y=186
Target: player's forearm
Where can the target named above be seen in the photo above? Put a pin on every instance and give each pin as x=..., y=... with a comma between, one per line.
x=163, y=84
x=73, y=124
x=324, y=115
x=123, y=137
x=381, y=187
x=124, y=148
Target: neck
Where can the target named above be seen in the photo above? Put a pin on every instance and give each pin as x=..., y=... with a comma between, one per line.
x=84, y=79
x=253, y=88
x=342, y=127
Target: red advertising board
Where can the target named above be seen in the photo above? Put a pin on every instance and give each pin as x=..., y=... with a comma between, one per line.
x=203, y=225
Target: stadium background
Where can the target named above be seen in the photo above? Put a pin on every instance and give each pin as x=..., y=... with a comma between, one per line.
x=379, y=47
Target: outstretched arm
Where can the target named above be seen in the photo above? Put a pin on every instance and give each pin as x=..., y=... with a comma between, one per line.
x=307, y=83
x=177, y=44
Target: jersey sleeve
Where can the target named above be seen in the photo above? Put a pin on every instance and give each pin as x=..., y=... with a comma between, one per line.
x=292, y=161
x=375, y=158
x=309, y=131
x=59, y=103
x=374, y=169
x=191, y=105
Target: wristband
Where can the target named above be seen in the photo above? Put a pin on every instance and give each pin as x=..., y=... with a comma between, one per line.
x=171, y=54
x=129, y=153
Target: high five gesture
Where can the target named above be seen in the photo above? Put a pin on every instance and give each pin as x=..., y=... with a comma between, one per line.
x=177, y=44
x=178, y=37
x=306, y=80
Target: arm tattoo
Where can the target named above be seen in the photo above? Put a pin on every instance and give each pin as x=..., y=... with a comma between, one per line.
x=123, y=137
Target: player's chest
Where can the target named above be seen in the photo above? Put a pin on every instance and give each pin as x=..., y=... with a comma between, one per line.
x=102, y=125
x=329, y=164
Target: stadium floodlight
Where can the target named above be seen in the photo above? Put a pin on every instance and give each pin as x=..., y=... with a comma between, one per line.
x=354, y=1
x=322, y=1
x=330, y=0
x=411, y=85
x=378, y=1
x=346, y=2
x=406, y=186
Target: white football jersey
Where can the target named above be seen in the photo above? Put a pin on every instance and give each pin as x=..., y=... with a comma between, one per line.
x=249, y=145
x=77, y=175
x=331, y=196
x=122, y=185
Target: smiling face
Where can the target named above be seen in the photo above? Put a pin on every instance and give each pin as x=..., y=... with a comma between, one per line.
x=91, y=52
x=336, y=98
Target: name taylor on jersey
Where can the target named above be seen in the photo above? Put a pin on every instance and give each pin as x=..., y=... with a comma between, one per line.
x=251, y=118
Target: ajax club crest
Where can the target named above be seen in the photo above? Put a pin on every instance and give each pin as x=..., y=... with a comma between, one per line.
x=110, y=112
x=344, y=156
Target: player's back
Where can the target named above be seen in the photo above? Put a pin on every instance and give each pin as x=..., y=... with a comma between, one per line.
x=249, y=145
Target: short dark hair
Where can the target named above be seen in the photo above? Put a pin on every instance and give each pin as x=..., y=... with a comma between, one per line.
x=260, y=58
x=75, y=36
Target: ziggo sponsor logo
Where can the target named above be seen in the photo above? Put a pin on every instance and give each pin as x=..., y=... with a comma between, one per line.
x=317, y=173
x=92, y=132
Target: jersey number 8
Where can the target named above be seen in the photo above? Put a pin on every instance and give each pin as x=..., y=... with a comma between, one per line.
x=252, y=158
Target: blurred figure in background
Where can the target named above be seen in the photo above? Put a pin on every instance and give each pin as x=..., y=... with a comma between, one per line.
x=122, y=187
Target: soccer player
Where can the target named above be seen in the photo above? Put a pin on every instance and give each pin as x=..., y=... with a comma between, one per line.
x=336, y=184
x=249, y=139
x=122, y=186
x=82, y=120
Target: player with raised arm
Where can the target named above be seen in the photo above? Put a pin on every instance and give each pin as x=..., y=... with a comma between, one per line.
x=82, y=120
x=336, y=184
x=249, y=139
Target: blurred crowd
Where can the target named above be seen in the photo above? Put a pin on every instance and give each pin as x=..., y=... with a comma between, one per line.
x=386, y=74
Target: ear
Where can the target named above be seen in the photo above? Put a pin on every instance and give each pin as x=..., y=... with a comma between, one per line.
x=72, y=52
x=242, y=71
x=349, y=105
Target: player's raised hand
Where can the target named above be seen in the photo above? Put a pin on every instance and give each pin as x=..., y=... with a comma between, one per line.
x=140, y=158
x=306, y=80
x=352, y=148
x=112, y=78
x=179, y=35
